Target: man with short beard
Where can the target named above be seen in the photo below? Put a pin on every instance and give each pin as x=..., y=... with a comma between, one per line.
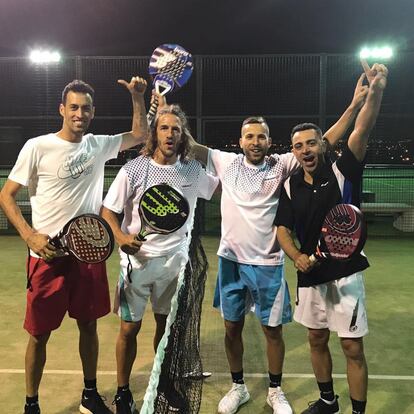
x=331, y=294
x=65, y=174
x=250, y=270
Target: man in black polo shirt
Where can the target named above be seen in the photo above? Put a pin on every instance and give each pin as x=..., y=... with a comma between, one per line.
x=331, y=293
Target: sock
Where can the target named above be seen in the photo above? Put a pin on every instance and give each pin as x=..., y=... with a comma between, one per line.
x=237, y=377
x=32, y=400
x=358, y=407
x=90, y=386
x=275, y=380
x=327, y=391
x=123, y=388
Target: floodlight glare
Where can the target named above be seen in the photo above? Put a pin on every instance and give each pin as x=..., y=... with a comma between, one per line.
x=44, y=56
x=384, y=52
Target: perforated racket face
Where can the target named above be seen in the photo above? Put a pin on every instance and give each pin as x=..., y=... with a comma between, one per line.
x=171, y=66
x=344, y=231
x=163, y=210
x=89, y=238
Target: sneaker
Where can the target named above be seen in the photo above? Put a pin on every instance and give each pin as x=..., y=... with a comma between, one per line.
x=277, y=400
x=321, y=407
x=124, y=403
x=32, y=408
x=231, y=402
x=93, y=403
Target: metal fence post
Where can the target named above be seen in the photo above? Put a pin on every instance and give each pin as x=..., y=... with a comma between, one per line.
x=323, y=67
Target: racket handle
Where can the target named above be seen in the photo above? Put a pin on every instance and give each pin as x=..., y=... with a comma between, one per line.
x=152, y=111
x=313, y=258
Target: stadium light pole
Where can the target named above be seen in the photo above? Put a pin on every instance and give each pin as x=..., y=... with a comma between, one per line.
x=44, y=58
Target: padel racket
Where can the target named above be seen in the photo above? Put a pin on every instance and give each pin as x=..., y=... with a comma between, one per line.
x=170, y=67
x=88, y=237
x=343, y=234
x=162, y=210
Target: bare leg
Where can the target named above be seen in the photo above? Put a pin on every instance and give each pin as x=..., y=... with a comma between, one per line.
x=320, y=354
x=126, y=350
x=35, y=361
x=160, y=321
x=88, y=348
x=233, y=342
x=275, y=348
x=357, y=370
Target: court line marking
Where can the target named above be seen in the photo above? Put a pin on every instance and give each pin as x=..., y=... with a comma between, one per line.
x=214, y=374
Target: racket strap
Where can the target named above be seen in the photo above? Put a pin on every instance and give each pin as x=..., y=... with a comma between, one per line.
x=129, y=269
x=152, y=111
x=29, y=275
x=297, y=295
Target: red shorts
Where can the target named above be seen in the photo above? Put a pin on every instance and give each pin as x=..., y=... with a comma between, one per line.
x=64, y=285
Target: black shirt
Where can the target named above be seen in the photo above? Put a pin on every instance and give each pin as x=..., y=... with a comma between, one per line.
x=303, y=208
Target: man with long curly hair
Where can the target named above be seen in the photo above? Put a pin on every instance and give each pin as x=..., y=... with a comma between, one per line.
x=156, y=263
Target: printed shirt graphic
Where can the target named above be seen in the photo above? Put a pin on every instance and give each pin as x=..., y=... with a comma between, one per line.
x=65, y=179
x=249, y=201
x=188, y=177
x=74, y=167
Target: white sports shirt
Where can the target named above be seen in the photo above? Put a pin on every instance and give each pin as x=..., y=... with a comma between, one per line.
x=249, y=200
x=65, y=179
x=188, y=177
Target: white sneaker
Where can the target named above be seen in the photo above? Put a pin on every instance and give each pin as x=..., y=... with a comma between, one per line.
x=231, y=402
x=277, y=400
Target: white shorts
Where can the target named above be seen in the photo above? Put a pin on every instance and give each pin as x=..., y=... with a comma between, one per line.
x=156, y=278
x=338, y=305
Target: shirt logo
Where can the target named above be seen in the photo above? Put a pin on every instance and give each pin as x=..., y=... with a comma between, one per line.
x=74, y=167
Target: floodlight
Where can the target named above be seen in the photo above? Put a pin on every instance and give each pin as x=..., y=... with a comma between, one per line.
x=40, y=56
x=383, y=52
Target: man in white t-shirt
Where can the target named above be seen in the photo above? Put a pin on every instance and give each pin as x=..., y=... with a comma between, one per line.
x=251, y=274
x=155, y=264
x=64, y=172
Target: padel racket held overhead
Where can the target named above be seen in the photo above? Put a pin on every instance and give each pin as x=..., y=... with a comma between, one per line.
x=170, y=68
x=343, y=234
x=162, y=210
x=88, y=237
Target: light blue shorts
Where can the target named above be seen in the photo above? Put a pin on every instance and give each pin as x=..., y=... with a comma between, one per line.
x=242, y=288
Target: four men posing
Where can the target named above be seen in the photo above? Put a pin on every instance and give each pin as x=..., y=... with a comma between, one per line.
x=250, y=258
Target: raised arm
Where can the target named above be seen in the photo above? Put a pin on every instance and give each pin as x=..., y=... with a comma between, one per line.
x=37, y=242
x=198, y=151
x=338, y=130
x=367, y=117
x=139, y=132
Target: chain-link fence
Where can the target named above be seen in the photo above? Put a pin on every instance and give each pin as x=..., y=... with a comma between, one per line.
x=285, y=89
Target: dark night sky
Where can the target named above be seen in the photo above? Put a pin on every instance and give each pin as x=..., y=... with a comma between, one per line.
x=135, y=27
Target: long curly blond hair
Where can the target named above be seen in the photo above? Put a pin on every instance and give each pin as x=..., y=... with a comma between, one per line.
x=184, y=147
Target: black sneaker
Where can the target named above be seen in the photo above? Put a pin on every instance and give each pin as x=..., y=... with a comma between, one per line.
x=32, y=408
x=124, y=402
x=320, y=407
x=93, y=403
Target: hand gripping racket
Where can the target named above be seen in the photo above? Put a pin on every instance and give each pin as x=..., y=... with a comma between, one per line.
x=88, y=237
x=162, y=210
x=343, y=234
x=170, y=67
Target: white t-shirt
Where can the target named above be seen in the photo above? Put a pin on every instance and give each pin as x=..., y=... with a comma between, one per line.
x=135, y=177
x=249, y=200
x=65, y=179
